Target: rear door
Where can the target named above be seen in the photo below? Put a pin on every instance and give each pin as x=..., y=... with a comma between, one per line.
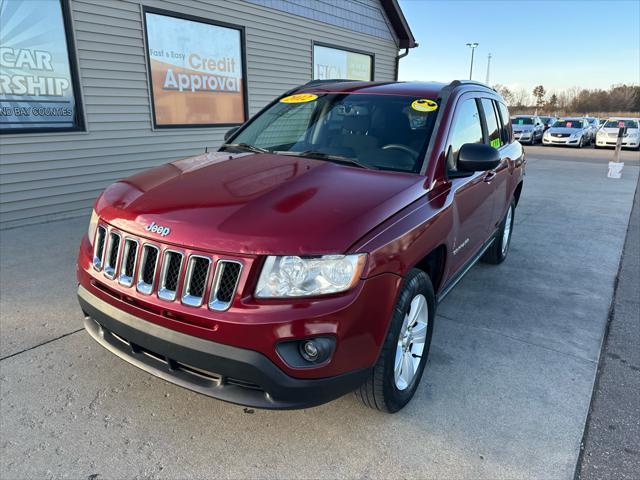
x=498, y=177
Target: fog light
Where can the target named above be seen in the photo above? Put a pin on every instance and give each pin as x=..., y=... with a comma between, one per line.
x=309, y=351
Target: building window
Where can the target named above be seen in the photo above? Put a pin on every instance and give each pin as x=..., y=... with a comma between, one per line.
x=336, y=63
x=196, y=70
x=38, y=83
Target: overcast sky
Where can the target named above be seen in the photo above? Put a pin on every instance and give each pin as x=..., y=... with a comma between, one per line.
x=558, y=44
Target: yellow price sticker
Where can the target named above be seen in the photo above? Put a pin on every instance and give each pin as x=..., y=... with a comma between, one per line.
x=299, y=98
x=424, y=105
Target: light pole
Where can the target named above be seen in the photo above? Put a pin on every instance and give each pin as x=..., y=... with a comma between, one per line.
x=472, y=46
x=488, y=68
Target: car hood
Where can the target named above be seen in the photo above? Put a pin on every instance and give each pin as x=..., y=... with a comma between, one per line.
x=258, y=203
x=564, y=130
x=633, y=131
x=523, y=128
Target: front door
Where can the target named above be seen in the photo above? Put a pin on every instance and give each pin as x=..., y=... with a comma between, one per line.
x=472, y=201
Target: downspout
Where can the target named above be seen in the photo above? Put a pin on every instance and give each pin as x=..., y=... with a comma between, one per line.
x=398, y=57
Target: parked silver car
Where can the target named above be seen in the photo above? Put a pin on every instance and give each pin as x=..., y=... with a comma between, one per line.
x=527, y=128
x=571, y=132
x=594, y=125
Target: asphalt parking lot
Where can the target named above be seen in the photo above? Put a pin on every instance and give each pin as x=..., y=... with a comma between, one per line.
x=506, y=393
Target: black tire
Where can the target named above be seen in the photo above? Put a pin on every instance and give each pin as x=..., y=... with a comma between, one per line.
x=379, y=391
x=581, y=142
x=496, y=254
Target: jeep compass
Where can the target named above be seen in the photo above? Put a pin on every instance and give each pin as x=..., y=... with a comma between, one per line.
x=306, y=257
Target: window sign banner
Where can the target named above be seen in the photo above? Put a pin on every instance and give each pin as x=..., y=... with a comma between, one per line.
x=331, y=63
x=36, y=87
x=196, y=72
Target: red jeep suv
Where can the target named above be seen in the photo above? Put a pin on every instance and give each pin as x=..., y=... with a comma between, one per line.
x=305, y=258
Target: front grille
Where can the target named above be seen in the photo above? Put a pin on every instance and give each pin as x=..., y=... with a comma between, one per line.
x=560, y=135
x=169, y=275
x=157, y=269
x=128, y=263
x=195, y=280
x=225, y=282
x=113, y=252
x=98, y=247
x=147, y=271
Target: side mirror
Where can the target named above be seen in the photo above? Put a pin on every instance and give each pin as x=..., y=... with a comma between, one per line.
x=477, y=157
x=230, y=133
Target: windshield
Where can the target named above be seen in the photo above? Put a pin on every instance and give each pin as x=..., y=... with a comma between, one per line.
x=621, y=123
x=546, y=119
x=568, y=124
x=522, y=121
x=373, y=131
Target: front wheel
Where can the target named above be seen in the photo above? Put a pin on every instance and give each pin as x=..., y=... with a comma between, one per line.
x=396, y=375
x=499, y=249
x=581, y=142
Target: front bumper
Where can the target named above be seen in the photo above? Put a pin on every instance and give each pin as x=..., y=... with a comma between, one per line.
x=611, y=142
x=225, y=372
x=567, y=141
x=524, y=137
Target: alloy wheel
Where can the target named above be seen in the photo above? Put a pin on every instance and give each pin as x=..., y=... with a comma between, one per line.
x=507, y=231
x=411, y=341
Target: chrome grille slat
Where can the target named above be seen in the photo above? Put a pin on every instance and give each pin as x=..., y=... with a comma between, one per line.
x=225, y=283
x=195, y=280
x=147, y=271
x=112, y=254
x=98, y=247
x=128, y=262
x=170, y=275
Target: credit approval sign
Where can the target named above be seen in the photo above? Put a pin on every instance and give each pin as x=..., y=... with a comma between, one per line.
x=196, y=72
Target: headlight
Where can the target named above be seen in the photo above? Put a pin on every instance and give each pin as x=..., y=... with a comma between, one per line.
x=293, y=276
x=93, y=224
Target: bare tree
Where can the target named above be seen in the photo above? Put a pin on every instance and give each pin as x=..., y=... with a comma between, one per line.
x=539, y=93
x=505, y=92
x=520, y=98
x=552, y=103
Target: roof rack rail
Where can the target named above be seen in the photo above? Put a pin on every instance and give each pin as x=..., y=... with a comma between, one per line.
x=457, y=83
x=329, y=80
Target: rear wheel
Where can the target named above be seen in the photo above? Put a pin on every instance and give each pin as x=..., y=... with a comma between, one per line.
x=397, y=373
x=499, y=249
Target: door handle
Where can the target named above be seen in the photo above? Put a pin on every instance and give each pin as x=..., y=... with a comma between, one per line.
x=489, y=176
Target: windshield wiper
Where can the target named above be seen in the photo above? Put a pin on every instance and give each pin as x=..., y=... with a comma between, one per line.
x=327, y=156
x=245, y=146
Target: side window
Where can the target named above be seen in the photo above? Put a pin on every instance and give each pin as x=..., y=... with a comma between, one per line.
x=466, y=128
x=506, y=123
x=493, y=127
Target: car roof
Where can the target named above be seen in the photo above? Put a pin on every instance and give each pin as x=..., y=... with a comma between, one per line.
x=622, y=118
x=422, y=89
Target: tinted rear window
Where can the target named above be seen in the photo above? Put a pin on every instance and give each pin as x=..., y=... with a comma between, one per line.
x=522, y=121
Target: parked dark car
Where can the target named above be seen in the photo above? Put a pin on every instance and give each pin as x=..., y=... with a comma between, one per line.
x=548, y=122
x=307, y=257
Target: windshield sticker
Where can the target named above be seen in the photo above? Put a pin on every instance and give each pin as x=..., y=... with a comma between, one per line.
x=299, y=98
x=621, y=124
x=521, y=121
x=496, y=143
x=424, y=105
x=569, y=124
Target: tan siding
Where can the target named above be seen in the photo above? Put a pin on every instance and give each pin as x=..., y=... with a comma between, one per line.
x=52, y=175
